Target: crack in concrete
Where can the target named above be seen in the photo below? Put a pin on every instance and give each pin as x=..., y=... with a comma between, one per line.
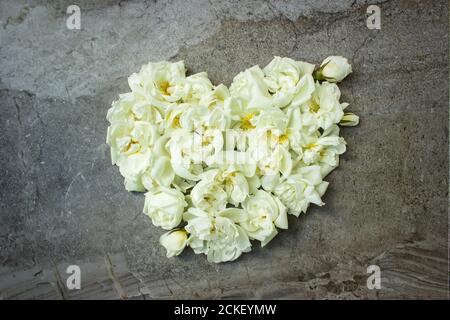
x=59, y=286
x=117, y=286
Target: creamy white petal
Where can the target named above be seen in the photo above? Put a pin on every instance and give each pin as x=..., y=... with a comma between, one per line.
x=334, y=69
x=165, y=207
x=174, y=242
x=264, y=212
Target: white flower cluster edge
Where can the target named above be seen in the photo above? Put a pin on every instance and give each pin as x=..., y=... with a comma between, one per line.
x=223, y=166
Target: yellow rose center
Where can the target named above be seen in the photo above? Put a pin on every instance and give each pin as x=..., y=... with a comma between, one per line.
x=246, y=124
x=314, y=106
x=164, y=87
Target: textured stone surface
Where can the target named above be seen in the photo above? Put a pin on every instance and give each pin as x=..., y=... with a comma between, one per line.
x=62, y=203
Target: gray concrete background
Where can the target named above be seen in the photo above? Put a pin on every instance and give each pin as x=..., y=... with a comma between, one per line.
x=63, y=203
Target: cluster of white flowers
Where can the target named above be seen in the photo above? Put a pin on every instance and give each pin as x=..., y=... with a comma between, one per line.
x=222, y=166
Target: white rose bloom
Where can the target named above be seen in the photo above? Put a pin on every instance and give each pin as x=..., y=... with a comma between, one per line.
x=194, y=118
x=271, y=162
x=121, y=110
x=208, y=194
x=297, y=132
x=173, y=115
x=130, y=137
x=133, y=167
x=160, y=173
x=324, y=107
x=194, y=88
x=272, y=118
x=174, y=242
x=260, y=142
x=200, y=118
x=131, y=143
x=265, y=213
x=236, y=187
x=270, y=150
x=243, y=119
x=218, y=236
x=324, y=150
x=232, y=180
x=130, y=107
x=165, y=207
x=250, y=86
x=300, y=189
x=290, y=81
x=334, y=69
x=181, y=149
x=231, y=160
x=218, y=118
x=158, y=82
x=301, y=120
x=189, y=149
x=210, y=142
x=215, y=98
x=247, y=118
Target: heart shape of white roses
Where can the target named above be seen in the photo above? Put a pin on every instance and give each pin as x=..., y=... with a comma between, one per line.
x=221, y=166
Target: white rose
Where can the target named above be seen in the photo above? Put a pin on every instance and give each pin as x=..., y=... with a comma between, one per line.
x=218, y=236
x=236, y=186
x=194, y=88
x=271, y=163
x=289, y=81
x=200, y=119
x=262, y=142
x=244, y=120
x=208, y=194
x=165, y=207
x=297, y=132
x=173, y=115
x=301, y=189
x=181, y=148
x=131, y=107
x=157, y=82
x=232, y=160
x=189, y=149
x=215, y=98
x=250, y=86
x=160, y=173
x=121, y=110
x=206, y=144
x=273, y=119
x=302, y=120
x=131, y=143
x=334, y=69
x=247, y=117
x=265, y=213
x=324, y=150
x=130, y=137
x=324, y=107
x=231, y=180
x=174, y=242
x=133, y=167
x=197, y=118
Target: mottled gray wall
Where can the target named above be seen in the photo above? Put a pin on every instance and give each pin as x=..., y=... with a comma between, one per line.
x=62, y=202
